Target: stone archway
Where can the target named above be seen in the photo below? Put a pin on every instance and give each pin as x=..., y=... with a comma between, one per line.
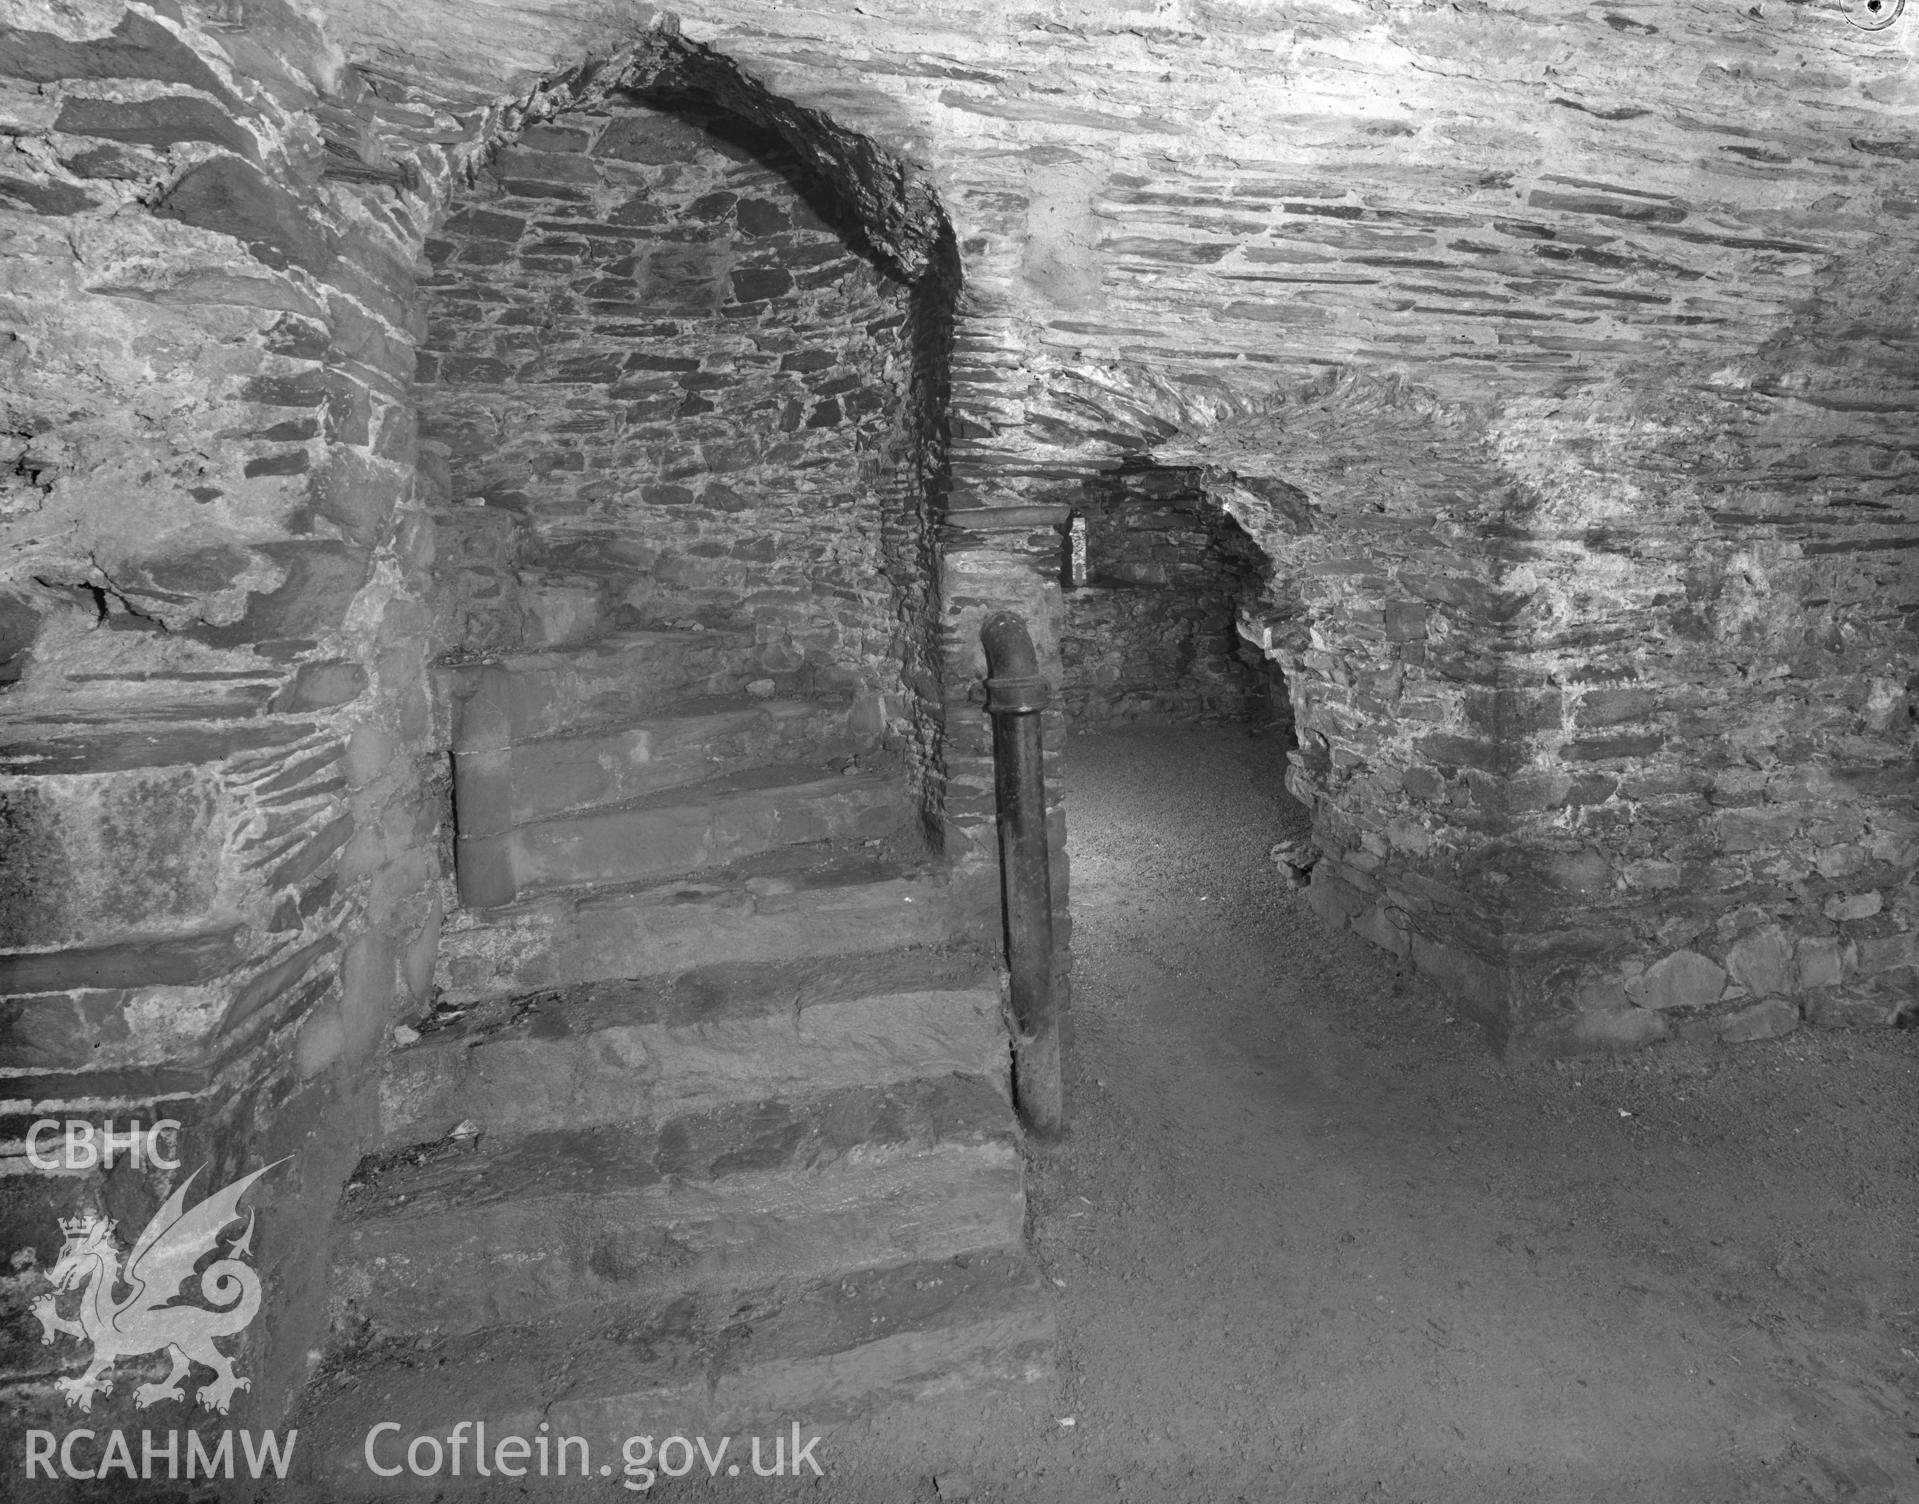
x=676, y=403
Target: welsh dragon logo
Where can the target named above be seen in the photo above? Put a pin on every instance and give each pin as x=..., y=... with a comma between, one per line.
x=145, y=1319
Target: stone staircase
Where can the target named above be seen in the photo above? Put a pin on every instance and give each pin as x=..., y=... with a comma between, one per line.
x=646, y=755
x=710, y=1126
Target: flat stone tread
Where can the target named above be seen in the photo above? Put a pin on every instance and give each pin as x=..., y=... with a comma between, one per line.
x=807, y=899
x=706, y=714
x=709, y=994
x=789, y=781
x=632, y=1348
x=575, y=768
x=804, y=866
x=614, y=644
x=602, y=684
x=772, y=1134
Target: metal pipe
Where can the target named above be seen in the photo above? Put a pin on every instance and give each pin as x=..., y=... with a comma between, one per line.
x=1015, y=696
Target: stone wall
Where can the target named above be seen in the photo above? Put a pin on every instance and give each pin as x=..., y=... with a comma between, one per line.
x=1386, y=610
x=634, y=350
x=1604, y=784
x=1736, y=663
x=218, y=885
x=1149, y=621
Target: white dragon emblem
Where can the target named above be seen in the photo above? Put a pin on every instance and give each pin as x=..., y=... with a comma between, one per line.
x=145, y=1321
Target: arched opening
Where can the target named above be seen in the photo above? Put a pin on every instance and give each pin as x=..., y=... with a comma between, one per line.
x=685, y=426
x=1173, y=619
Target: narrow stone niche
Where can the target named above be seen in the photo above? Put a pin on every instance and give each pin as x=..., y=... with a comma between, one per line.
x=1156, y=577
x=683, y=427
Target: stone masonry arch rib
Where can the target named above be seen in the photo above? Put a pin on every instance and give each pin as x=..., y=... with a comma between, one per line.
x=884, y=190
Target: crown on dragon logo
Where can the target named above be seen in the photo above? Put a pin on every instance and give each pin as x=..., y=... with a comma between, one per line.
x=74, y=1227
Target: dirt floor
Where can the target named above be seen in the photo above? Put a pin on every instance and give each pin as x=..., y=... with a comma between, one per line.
x=1313, y=1242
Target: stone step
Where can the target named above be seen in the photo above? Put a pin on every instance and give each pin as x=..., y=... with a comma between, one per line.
x=653, y=1047
x=797, y=902
x=740, y=1364
x=686, y=829
x=613, y=681
x=697, y=740
x=453, y=1239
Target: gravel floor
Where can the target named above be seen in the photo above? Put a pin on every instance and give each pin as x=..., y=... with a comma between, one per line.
x=1314, y=1242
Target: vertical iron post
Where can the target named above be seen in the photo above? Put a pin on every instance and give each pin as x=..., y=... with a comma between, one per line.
x=1015, y=696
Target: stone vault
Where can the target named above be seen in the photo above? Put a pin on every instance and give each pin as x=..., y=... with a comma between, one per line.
x=1555, y=369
